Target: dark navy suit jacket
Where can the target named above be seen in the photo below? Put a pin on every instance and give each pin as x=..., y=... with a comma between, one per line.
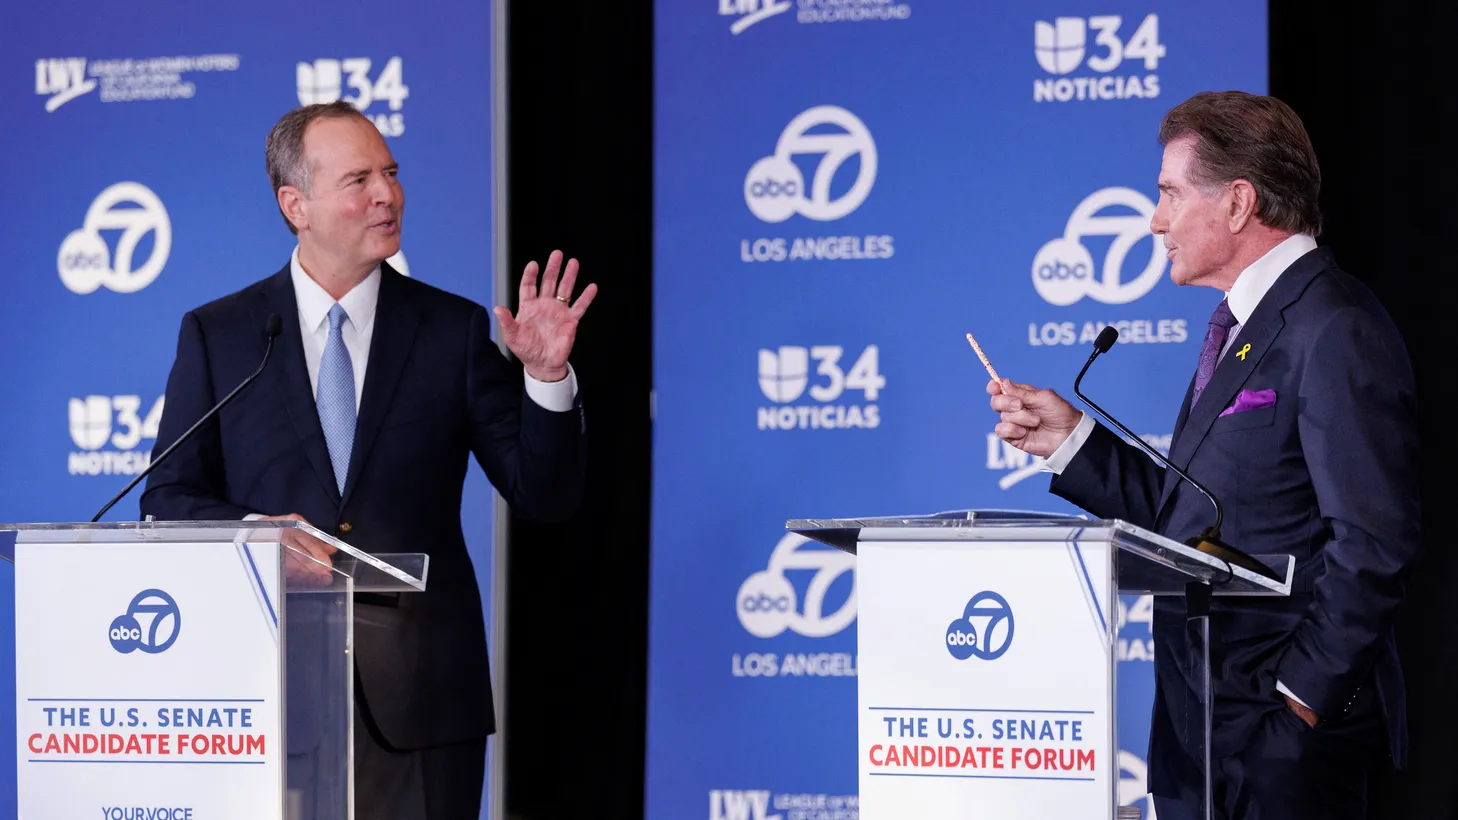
x=1329, y=475
x=437, y=390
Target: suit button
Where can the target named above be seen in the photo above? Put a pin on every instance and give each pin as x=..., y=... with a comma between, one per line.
x=345, y=526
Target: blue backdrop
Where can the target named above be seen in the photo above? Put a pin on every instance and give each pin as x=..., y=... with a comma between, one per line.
x=135, y=191
x=843, y=189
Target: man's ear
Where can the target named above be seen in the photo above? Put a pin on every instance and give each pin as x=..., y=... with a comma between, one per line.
x=291, y=203
x=1243, y=205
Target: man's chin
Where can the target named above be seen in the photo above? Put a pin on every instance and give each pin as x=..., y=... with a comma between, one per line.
x=380, y=251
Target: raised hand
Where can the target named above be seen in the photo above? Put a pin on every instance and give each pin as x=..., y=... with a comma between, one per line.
x=545, y=325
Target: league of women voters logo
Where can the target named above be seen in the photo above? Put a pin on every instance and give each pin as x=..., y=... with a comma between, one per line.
x=767, y=603
x=147, y=79
x=151, y=624
x=86, y=262
x=750, y=12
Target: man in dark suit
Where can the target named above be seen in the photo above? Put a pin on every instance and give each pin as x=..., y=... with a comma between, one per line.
x=380, y=390
x=1301, y=417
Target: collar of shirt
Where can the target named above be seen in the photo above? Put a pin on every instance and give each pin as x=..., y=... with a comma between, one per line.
x=1253, y=283
x=315, y=302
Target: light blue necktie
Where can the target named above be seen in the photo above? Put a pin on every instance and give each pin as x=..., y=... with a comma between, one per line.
x=335, y=398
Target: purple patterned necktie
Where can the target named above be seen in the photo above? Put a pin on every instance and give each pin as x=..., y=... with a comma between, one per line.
x=1221, y=321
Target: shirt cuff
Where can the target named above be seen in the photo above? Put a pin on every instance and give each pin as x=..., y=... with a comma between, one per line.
x=252, y=516
x=555, y=396
x=1281, y=687
x=1058, y=462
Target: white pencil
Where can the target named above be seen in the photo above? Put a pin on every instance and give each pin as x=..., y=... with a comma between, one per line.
x=983, y=356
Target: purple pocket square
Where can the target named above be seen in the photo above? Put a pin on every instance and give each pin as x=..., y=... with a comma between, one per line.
x=1250, y=400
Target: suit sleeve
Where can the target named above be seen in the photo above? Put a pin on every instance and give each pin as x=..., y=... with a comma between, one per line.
x=535, y=457
x=190, y=485
x=1358, y=427
x=1112, y=479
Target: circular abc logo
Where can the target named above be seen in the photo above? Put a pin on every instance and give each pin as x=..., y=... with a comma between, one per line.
x=151, y=624
x=775, y=189
x=767, y=604
x=986, y=614
x=1064, y=271
x=86, y=262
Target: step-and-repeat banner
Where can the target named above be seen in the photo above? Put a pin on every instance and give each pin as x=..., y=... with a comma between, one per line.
x=843, y=190
x=136, y=191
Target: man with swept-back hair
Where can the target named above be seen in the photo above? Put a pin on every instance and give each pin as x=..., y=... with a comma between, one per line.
x=380, y=392
x=1301, y=416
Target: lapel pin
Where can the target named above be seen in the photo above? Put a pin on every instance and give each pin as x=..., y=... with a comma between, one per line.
x=1244, y=350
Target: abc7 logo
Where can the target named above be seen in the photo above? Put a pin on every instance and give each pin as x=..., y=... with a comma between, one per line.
x=164, y=625
x=1063, y=270
x=768, y=605
x=86, y=263
x=997, y=631
x=775, y=189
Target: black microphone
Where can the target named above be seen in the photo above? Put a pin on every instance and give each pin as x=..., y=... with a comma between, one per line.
x=272, y=328
x=1208, y=541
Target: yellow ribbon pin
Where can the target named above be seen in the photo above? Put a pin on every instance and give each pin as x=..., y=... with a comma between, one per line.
x=1244, y=350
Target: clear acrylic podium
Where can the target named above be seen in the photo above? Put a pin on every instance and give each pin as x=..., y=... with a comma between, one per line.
x=986, y=650
x=213, y=659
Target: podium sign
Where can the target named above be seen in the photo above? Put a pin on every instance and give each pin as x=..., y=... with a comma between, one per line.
x=188, y=670
x=987, y=692
x=987, y=663
x=157, y=654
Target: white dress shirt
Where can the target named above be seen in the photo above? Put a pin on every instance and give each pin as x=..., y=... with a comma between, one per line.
x=1250, y=287
x=314, y=306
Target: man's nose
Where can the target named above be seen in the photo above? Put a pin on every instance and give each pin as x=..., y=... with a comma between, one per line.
x=1158, y=225
x=384, y=192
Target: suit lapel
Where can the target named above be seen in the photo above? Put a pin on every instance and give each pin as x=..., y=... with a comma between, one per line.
x=291, y=380
x=397, y=317
x=1255, y=339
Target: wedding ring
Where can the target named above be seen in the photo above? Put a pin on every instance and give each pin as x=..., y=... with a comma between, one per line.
x=562, y=299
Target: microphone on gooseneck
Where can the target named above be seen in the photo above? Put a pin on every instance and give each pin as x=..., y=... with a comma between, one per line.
x=272, y=327
x=1208, y=541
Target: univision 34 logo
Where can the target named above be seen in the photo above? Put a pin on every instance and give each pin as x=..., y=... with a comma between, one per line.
x=1062, y=47
x=327, y=80
x=117, y=421
x=784, y=377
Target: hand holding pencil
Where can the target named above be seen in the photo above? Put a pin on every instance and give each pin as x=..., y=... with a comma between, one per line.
x=1032, y=420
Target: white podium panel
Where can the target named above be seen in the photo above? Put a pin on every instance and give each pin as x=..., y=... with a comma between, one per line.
x=986, y=655
x=985, y=684
x=148, y=681
x=188, y=670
